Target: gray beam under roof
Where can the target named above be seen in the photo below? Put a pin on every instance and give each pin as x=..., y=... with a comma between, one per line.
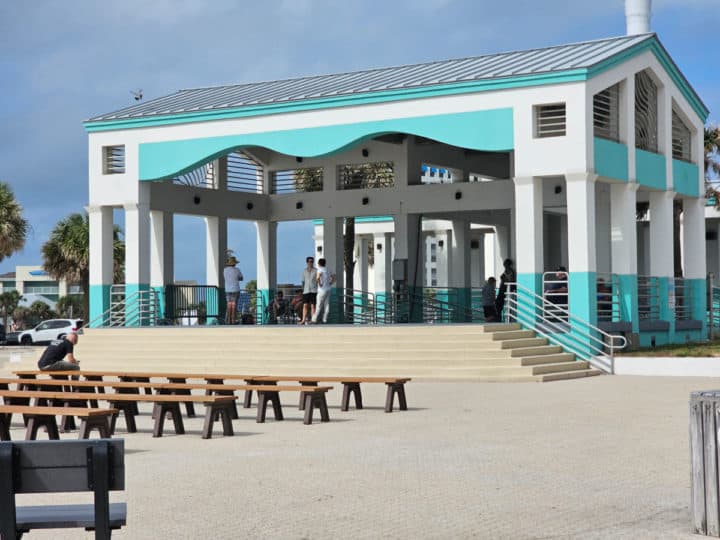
x=493, y=66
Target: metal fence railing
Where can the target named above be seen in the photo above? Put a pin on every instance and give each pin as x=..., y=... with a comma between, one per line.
x=648, y=298
x=190, y=305
x=683, y=300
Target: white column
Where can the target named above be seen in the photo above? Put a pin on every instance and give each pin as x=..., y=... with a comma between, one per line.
x=528, y=232
x=602, y=228
x=216, y=250
x=661, y=233
x=383, y=263
x=627, y=121
x=582, y=255
x=361, y=281
x=443, y=254
x=137, y=244
x=623, y=232
x=460, y=254
x=161, y=248
x=101, y=260
x=665, y=133
x=693, y=231
x=333, y=248
x=266, y=255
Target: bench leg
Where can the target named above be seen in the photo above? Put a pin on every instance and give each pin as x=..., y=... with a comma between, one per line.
x=392, y=389
x=174, y=410
x=247, y=399
x=263, y=399
x=127, y=409
x=348, y=389
x=301, y=403
x=4, y=427
x=87, y=425
x=226, y=415
x=322, y=402
x=35, y=422
x=309, y=407
x=210, y=413
x=189, y=406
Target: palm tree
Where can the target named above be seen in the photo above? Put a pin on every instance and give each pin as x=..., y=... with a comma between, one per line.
x=13, y=227
x=66, y=255
x=712, y=162
x=9, y=301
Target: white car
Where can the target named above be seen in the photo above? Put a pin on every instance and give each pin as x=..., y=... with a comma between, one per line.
x=48, y=330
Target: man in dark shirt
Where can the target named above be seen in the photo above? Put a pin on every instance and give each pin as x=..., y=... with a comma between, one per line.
x=53, y=359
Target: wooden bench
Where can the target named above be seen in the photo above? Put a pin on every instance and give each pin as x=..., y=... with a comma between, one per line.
x=267, y=393
x=57, y=467
x=351, y=385
x=37, y=417
x=216, y=407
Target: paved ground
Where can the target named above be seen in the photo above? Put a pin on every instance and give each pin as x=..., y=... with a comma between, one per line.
x=604, y=457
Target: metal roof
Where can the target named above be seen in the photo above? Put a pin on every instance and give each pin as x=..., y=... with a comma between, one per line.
x=492, y=66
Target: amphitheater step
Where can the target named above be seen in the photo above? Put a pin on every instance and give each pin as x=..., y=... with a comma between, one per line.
x=522, y=343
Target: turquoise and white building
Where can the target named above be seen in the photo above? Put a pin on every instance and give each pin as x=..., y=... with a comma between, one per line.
x=553, y=148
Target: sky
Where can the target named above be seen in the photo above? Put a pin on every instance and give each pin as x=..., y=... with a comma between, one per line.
x=62, y=62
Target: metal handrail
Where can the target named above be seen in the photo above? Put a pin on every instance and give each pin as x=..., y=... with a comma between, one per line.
x=683, y=300
x=562, y=328
x=648, y=298
x=143, y=307
x=608, y=297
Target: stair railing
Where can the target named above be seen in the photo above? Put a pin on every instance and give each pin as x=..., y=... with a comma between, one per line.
x=141, y=308
x=560, y=327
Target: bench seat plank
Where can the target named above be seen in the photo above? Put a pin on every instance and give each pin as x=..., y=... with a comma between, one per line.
x=67, y=516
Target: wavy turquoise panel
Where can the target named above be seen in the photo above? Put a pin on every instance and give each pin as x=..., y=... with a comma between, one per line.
x=490, y=130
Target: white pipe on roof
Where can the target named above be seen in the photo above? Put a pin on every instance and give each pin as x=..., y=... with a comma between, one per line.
x=637, y=16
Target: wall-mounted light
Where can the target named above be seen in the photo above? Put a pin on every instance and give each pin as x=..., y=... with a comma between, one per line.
x=441, y=243
x=365, y=152
x=319, y=249
x=379, y=247
x=458, y=195
x=299, y=159
x=250, y=206
x=299, y=205
x=365, y=200
x=558, y=190
x=196, y=199
x=474, y=244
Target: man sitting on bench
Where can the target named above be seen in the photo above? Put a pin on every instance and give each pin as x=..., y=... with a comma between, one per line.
x=53, y=358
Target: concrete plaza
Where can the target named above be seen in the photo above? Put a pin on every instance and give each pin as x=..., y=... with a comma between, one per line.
x=602, y=457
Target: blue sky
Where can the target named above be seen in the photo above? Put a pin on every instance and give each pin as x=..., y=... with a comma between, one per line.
x=63, y=62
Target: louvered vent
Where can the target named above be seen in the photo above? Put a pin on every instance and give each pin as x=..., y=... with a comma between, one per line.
x=646, y=113
x=202, y=177
x=380, y=174
x=114, y=159
x=243, y=173
x=297, y=180
x=681, y=138
x=606, y=117
x=550, y=120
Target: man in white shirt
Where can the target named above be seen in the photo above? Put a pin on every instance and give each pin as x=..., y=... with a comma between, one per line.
x=233, y=276
x=325, y=280
x=310, y=287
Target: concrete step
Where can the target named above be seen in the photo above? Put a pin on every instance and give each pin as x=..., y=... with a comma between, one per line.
x=523, y=343
x=509, y=334
x=545, y=359
x=536, y=351
x=542, y=369
x=570, y=375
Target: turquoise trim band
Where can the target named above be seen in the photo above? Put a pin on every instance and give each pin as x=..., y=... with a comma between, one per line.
x=611, y=159
x=99, y=303
x=490, y=130
x=650, y=169
x=699, y=301
x=685, y=178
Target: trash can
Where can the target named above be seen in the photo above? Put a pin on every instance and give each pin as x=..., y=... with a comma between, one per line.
x=704, y=447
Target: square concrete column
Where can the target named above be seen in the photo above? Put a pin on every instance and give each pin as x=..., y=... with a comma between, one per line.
x=528, y=233
x=661, y=254
x=137, y=260
x=623, y=243
x=582, y=255
x=333, y=229
x=694, y=261
x=161, y=254
x=266, y=261
x=216, y=250
x=382, y=270
x=602, y=227
x=460, y=279
x=101, y=261
x=408, y=248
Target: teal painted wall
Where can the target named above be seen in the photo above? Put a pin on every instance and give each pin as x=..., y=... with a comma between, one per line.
x=650, y=169
x=490, y=130
x=685, y=178
x=132, y=315
x=611, y=159
x=699, y=299
x=99, y=304
x=582, y=296
x=629, y=300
